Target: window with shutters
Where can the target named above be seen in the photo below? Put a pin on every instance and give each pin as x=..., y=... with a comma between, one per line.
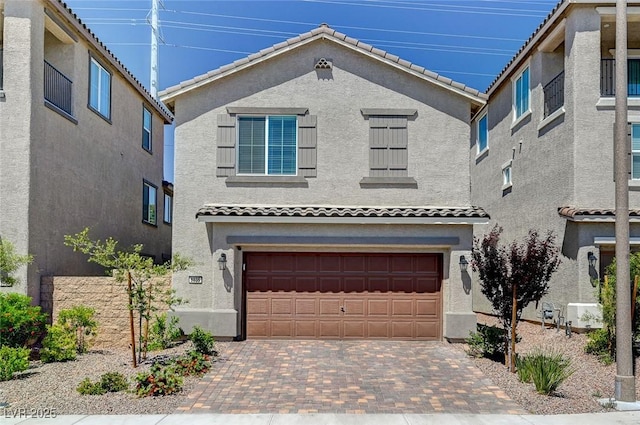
x=266, y=145
x=388, y=148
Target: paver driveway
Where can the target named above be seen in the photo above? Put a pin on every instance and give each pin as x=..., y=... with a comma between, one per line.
x=345, y=377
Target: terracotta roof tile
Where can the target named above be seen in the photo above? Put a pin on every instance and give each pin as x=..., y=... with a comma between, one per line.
x=339, y=211
x=572, y=212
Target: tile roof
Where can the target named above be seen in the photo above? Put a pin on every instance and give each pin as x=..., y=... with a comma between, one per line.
x=339, y=211
x=91, y=37
x=321, y=32
x=594, y=213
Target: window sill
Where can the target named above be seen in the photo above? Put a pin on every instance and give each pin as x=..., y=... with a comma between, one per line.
x=606, y=103
x=148, y=223
x=520, y=119
x=551, y=118
x=266, y=181
x=98, y=113
x=482, y=154
x=388, y=182
x=2, y=95
x=66, y=115
x=634, y=185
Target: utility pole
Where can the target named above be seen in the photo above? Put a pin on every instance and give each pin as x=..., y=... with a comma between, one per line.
x=154, y=49
x=625, y=388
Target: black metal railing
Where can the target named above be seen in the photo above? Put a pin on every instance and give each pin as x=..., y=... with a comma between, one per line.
x=554, y=94
x=608, y=77
x=57, y=88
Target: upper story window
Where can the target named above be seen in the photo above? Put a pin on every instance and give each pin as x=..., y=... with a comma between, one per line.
x=149, y=203
x=507, y=175
x=521, y=94
x=146, y=129
x=635, y=151
x=99, y=89
x=483, y=133
x=267, y=145
x=168, y=209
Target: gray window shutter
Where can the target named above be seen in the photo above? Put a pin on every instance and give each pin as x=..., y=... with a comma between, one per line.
x=226, y=146
x=307, y=145
x=388, y=140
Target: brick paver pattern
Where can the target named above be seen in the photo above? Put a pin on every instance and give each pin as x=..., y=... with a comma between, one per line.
x=345, y=377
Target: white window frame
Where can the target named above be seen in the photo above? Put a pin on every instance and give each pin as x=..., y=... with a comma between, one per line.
x=102, y=91
x=507, y=175
x=149, y=219
x=484, y=116
x=146, y=111
x=266, y=147
x=514, y=98
x=634, y=152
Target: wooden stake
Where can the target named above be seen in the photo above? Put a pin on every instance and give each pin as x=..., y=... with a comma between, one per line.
x=133, y=332
x=514, y=307
x=633, y=298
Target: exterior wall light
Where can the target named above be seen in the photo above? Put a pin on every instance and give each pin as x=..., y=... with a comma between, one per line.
x=222, y=261
x=592, y=259
x=463, y=263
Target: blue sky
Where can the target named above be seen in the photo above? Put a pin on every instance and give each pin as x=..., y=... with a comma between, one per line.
x=468, y=41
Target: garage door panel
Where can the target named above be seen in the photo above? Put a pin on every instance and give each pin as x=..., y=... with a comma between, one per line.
x=378, y=329
x=329, y=307
x=402, y=308
x=354, y=307
x=403, y=330
x=330, y=285
x=385, y=296
x=281, y=306
x=282, y=328
x=353, y=329
x=378, y=307
x=306, y=307
x=305, y=328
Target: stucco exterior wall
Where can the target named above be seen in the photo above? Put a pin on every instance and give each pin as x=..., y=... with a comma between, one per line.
x=58, y=173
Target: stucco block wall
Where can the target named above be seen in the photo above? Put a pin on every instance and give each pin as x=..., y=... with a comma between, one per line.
x=104, y=294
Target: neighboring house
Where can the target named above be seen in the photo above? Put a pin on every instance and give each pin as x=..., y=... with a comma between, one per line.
x=324, y=193
x=542, y=147
x=81, y=144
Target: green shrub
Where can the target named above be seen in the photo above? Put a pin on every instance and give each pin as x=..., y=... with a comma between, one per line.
x=164, y=331
x=80, y=320
x=192, y=363
x=203, y=341
x=160, y=380
x=110, y=382
x=86, y=387
x=547, y=371
x=489, y=342
x=21, y=324
x=59, y=345
x=13, y=360
x=600, y=343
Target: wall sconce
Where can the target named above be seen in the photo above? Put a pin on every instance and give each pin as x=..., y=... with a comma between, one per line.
x=463, y=263
x=592, y=259
x=222, y=261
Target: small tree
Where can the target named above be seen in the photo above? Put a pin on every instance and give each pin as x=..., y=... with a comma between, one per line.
x=80, y=320
x=513, y=276
x=10, y=261
x=135, y=269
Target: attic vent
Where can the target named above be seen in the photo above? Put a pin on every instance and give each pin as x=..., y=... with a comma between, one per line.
x=323, y=63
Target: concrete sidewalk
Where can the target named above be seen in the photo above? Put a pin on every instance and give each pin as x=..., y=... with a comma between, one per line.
x=622, y=418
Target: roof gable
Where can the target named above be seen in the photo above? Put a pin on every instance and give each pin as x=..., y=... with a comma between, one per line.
x=323, y=32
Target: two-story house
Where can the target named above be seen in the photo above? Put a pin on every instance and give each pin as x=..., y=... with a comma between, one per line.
x=324, y=193
x=542, y=147
x=81, y=144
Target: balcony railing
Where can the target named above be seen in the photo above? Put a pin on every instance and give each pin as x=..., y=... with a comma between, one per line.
x=57, y=88
x=554, y=95
x=608, y=77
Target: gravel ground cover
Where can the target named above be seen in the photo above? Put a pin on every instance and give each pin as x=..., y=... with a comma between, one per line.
x=53, y=385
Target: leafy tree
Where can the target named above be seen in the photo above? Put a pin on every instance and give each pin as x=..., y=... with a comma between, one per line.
x=79, y=319
x=138, y=271
x=514, y=275
x=10, y=261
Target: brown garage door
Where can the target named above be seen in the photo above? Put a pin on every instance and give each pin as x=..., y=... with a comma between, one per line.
x=343, y=295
